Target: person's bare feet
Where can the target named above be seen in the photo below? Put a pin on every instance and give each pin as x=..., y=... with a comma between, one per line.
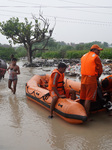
x=51, y=116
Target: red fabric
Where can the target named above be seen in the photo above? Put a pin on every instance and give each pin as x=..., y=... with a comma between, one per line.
x=2, y=71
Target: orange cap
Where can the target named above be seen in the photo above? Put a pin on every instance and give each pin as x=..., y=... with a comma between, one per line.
x=96, y=47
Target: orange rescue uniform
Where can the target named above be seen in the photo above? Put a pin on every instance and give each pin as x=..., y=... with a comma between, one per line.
x=91, y=69
x=109, y=88
x=57, y=80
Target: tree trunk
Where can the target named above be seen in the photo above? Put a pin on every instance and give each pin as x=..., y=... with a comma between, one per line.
x=29, y=54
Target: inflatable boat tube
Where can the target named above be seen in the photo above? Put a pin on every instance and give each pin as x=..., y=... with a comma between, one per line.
x=69, y=110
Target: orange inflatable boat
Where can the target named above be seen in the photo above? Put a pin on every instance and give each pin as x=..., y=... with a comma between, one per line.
x=69, y=110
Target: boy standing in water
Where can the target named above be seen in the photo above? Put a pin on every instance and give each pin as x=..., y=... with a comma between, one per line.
x=14, y=71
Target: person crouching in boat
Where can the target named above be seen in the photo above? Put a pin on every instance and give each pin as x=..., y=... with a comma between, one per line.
x=91, y=70
x=56, y=87
x=106, y=85
x=13, y=72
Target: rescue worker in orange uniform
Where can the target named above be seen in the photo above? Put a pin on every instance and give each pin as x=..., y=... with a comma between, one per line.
x=106, y=84
x=91, y=70
x=56, y=87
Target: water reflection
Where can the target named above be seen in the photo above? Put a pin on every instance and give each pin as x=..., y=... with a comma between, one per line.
x=66, y=136
x=15, y=111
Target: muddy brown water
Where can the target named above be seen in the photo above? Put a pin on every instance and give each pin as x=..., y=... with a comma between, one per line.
x=24, y=125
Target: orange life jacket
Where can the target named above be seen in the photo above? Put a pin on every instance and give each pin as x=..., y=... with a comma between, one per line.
x=109, y=88
x=88, y=65
x=60, y=82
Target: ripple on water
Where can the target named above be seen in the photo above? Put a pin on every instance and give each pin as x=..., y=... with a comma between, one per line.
x=105, y=142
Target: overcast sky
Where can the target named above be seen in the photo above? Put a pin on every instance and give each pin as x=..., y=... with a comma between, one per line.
x=76, y=20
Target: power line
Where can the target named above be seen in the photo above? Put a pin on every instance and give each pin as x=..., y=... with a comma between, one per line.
x=85, y=10
x=70, y=9
x=85, y=22
x=80, y=19
x=75, y=2
x=74, y=21
x=45, y=6
x=25, y=2
x=58, y=0
x=65, y=18
x=13, y=16
x=95, y=12
x=62, y=18
x=15, y=12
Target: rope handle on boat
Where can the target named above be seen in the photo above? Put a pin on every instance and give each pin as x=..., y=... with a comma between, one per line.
x=28, y=91
x=44, y=97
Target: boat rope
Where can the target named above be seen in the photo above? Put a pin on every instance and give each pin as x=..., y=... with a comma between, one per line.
x=28, y=91
x=44, y=97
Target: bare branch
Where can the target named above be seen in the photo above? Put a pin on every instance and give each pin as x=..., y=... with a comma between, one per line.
x=43, y=48
x=16, y=40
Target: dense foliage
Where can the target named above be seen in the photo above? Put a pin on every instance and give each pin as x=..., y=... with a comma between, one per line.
x=57, y=50
x=5, y=52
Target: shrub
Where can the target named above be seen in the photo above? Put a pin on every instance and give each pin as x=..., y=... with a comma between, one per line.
x=75, y=53
x=106, y=53
x=5, y=53
x=51, y=54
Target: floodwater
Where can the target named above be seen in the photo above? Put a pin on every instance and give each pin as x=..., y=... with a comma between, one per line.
x=24, y=125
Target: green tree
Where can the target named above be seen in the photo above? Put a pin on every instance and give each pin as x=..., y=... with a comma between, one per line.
x=6, y=52
x=20, y=52
x=105, y=44
x=27, y=34
x=79, y=47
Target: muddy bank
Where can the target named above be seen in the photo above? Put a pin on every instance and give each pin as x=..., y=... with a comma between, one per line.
x=74, y=65
x=50, y=62
x=38, y=62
